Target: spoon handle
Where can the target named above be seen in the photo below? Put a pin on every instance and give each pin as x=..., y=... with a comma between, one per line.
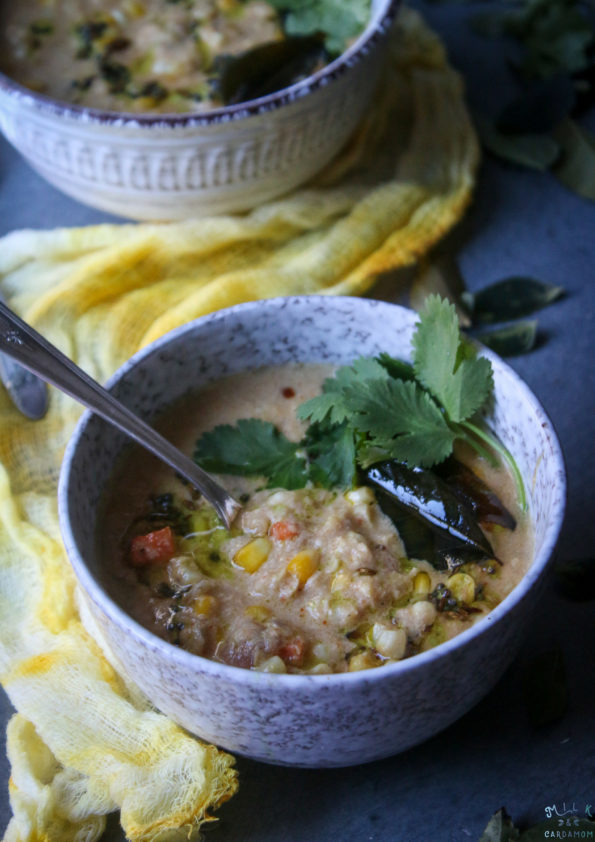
x=31, y=350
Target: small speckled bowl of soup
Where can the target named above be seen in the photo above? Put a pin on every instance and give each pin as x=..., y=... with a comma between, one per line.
x=320, y=630
x=161, y=110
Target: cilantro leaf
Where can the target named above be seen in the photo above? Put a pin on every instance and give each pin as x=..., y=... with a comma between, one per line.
x=447, y=364
x=330, y=405
x=402, y=421
x=252, y=448
x=340, y=20
x=331, y=451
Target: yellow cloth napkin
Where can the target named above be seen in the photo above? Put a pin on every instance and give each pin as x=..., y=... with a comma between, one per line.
x=84, y=742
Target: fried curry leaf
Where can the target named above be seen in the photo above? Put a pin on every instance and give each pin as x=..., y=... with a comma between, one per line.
x=267, y=68
x=424, y=494
x=252, y=448
x=510, y=298
x=447, y=364
x=485, y=504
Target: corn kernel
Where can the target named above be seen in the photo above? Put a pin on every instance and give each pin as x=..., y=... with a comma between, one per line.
x=258, y=613
x=363, y=661
x=253, y=555
x=204, y=604
x=303, y=565
x=462, y=587
x=363, y=494
x=422, y=583
x=389, y=642
x=274, y=664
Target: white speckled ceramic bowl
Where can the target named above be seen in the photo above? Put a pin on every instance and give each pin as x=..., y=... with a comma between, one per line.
x=304, y=720
x=164, y=167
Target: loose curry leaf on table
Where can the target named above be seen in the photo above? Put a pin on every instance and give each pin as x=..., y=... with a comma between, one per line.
x=537, y=151
x=510, y=340
x=510, y=298
x=576, y=168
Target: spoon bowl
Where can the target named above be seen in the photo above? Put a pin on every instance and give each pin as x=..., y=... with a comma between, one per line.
x=22, y=343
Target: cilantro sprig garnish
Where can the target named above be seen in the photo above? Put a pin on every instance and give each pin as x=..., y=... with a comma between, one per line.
x=371, y=411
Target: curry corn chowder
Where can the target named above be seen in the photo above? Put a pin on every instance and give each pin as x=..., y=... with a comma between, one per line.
x=309, y=580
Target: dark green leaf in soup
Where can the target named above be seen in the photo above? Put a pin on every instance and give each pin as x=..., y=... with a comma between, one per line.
x=252, y=448
x=510, y=340
x=476, y=494
x=511, y=298
x=424, y=494
x=267, y=68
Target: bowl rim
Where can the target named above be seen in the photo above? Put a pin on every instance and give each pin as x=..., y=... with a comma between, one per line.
x=254, y=678
x=377, y=27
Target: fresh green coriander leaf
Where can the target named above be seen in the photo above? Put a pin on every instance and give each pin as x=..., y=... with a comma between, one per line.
x=331, y=451
x=500, y=828
x=447, y=364
x=340, y=20
x=511, y=298
x=401, y=420
x=398, y=369
x=510, y=340
x=330, y=405
x=252, y=448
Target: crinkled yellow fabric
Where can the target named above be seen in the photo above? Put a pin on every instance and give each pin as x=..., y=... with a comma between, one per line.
x=83, y=742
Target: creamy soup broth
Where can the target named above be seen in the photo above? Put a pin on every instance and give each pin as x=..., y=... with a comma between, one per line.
x=130, y=55
x=310, y=580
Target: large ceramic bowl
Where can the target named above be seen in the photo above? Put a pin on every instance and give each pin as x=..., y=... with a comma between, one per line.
x=175, y=166
x=305, y=720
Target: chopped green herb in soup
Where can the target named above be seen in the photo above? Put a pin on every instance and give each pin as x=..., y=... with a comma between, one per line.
x=169, y=55
x=318, y=576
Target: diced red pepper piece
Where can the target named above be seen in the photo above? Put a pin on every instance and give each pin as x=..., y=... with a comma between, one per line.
x=293, y=651
x=153, y=548
x=283, y=530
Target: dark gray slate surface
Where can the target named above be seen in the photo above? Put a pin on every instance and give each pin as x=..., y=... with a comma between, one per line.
x=446, y=789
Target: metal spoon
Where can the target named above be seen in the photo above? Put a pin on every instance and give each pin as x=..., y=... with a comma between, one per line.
x=31, y=350
x=28, y=393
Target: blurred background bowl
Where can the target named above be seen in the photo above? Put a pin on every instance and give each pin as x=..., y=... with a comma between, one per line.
x=164, y=167
x=303, y=720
